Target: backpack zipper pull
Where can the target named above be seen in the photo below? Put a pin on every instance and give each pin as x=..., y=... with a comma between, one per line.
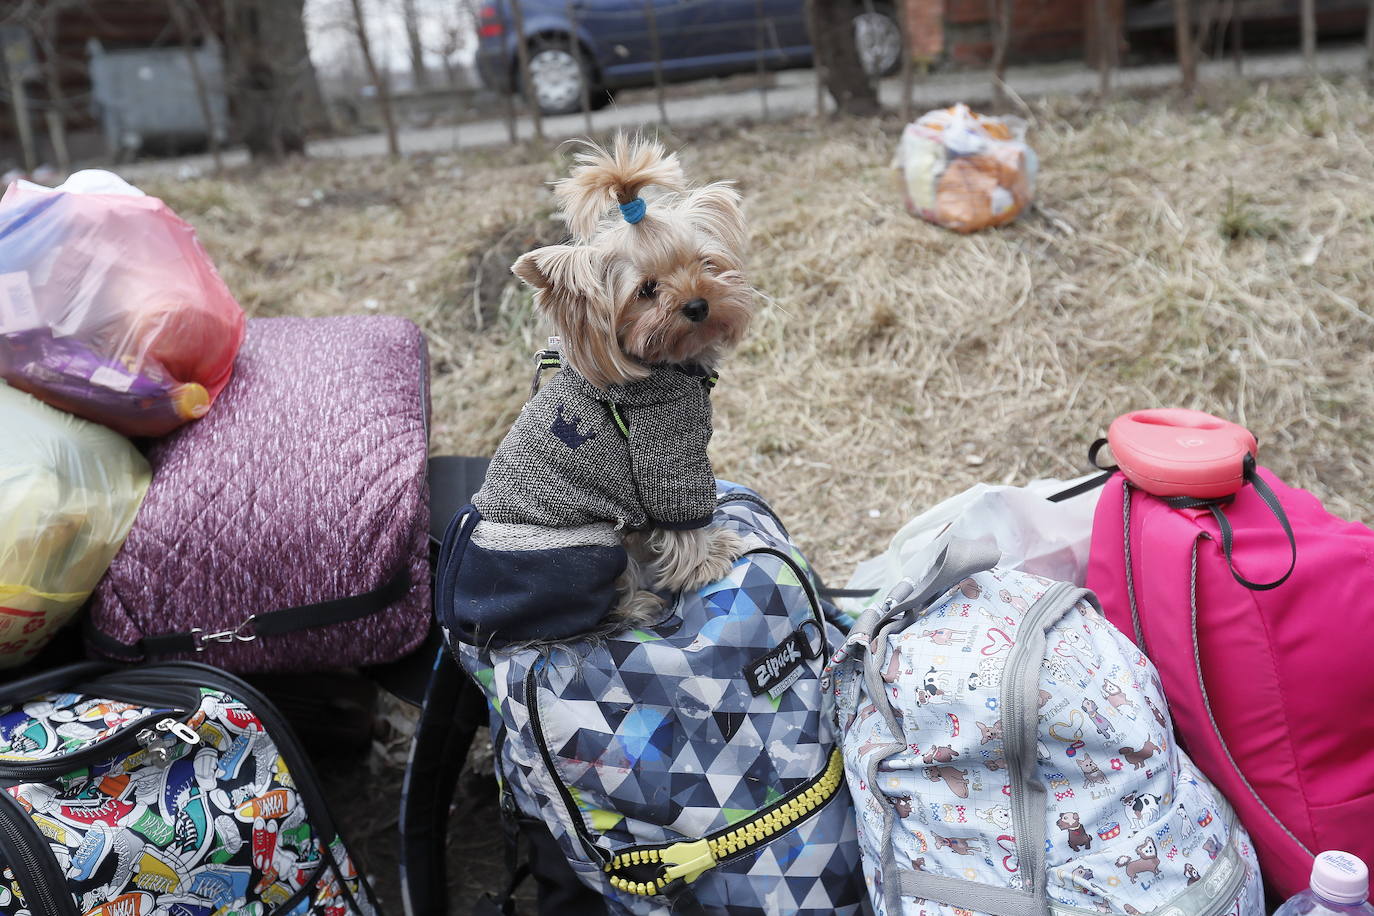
x=158, y=740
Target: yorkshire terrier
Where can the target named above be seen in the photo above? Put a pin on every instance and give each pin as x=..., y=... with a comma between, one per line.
x=605, y=472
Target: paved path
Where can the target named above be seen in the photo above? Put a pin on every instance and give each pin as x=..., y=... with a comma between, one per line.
x=793, y=94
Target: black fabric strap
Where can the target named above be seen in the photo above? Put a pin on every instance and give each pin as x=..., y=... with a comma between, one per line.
x=275, y=623
x=1078, y=489
x=848, y=592
x=1227, y=535
x=1092, y=456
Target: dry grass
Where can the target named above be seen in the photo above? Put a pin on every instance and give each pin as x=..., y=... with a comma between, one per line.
x=1218, y=255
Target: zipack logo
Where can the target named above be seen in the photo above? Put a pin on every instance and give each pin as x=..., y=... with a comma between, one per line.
x=779, y=668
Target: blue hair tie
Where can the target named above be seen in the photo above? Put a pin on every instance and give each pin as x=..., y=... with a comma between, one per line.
x=633, y=211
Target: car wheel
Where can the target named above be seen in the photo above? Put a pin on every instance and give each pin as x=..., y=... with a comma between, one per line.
x=878, y=38
x=557, y=78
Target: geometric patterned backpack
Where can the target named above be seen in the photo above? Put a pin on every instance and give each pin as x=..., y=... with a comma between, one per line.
x=1010, y=753
x=686, y=765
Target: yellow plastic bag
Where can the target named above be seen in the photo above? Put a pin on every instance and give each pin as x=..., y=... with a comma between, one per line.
x=69, y=491
x=966, y=171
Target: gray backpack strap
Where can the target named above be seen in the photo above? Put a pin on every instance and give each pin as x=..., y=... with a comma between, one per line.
x=959, y=560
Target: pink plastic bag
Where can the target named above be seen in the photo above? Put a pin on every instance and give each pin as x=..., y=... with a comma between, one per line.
x=1270, y=687
x=109, y=306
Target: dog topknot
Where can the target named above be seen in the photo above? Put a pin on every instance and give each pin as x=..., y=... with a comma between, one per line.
x=604, y=178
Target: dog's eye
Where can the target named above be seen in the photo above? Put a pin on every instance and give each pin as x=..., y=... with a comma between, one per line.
x=710, y=266
x=648, y=289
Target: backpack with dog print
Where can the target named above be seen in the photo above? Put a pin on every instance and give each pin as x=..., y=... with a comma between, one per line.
x=1010, y=753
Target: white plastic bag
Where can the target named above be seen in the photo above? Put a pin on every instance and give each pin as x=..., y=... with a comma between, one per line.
x=1033, y=534
x=966, y=171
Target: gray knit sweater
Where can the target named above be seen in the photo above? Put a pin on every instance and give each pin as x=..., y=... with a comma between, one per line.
x=565, y=463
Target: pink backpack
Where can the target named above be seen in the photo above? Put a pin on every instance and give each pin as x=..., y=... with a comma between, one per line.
x=1270, y=678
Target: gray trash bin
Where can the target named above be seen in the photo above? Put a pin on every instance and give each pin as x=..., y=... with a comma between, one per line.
x=149, y=94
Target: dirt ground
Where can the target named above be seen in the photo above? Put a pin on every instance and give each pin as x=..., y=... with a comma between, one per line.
x=1215, y=253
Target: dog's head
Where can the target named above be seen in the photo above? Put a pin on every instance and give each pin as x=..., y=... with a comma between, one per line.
x=655, y=282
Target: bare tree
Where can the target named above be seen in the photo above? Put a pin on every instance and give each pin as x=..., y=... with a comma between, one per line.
x=202, y=92
x=1309, y=34
x=44, y=27
x=1183, y=45
x=379, y=80
x=999, y=19
x=417, y=50
x=271, y=81
x=837, y=58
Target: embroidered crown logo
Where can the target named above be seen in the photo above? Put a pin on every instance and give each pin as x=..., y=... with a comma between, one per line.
x=566, y=430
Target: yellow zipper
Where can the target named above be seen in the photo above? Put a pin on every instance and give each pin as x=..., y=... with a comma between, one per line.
x=688, y=860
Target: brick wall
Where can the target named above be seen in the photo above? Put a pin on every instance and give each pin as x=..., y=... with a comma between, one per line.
x=925, y=23
x=958, y=30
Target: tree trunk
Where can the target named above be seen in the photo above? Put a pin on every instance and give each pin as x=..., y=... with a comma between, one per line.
x=999, y=17
x=417, y=50
x=1183, y=45
x=379, y=81
x=1309, y=34
x=837, y=59
x=270, y=79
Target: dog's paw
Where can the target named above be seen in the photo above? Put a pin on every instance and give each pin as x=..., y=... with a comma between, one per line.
x=637, y=608
x=723, y=548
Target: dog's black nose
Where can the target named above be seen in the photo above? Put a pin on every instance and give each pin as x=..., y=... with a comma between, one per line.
x=696, y=310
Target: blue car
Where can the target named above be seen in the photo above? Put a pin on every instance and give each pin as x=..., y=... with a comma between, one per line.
x=615, y=43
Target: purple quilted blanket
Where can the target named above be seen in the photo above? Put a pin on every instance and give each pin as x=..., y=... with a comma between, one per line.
x=304, y=484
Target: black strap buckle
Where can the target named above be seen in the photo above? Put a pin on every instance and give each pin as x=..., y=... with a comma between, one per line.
x=1251, y=476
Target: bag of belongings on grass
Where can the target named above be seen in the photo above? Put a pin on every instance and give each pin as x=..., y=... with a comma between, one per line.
x=168, y=790
x=686, y=765
x=287, y=531
x=1009, y=751
x=966, y=171
x=109, y=306
x=69, y=490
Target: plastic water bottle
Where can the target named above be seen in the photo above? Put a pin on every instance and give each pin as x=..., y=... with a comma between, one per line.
x=1339, y=887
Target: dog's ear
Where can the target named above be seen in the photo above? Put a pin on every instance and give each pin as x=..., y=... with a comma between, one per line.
x=572, y=287
x=715, y=210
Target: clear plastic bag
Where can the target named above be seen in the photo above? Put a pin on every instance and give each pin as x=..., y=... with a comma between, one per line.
x=69, y=491
x=1044, y=538
x=109, y=306
x=966, y=171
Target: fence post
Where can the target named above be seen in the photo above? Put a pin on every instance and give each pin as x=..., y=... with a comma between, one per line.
x=1000, y=19
x=908, y=65
x=1309, y=35
x=758, y=53
x=522, y=53
x=1183, y=44
x=658, y=58
x=570, y=10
